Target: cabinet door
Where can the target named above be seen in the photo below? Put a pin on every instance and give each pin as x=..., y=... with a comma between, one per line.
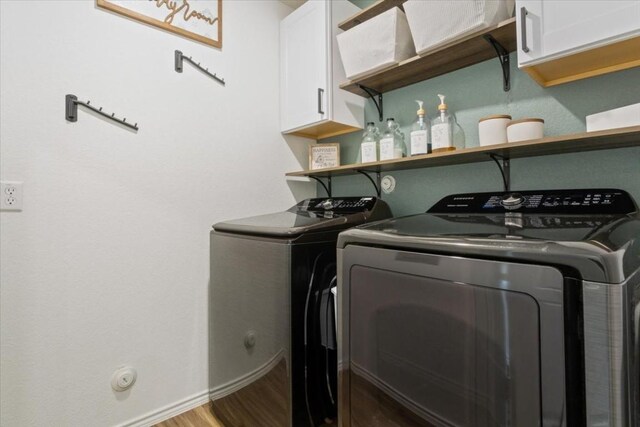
x=303, y=57
x=549, y=29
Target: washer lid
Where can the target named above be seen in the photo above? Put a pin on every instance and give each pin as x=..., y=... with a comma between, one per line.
x=284, y=224
x=601, y=247
x=509, y=226
x=310, y=215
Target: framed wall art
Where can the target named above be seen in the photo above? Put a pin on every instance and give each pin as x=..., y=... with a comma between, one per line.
x=324, y=156
x=199, y=20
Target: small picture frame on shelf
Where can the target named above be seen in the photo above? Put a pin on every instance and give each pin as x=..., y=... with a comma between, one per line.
x=322, y=156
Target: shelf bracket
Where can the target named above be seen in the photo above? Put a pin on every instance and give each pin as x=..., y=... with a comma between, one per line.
x=377, y=99
x=503, y=56
x=504, y=165
x=327, y=186
x=376, y=184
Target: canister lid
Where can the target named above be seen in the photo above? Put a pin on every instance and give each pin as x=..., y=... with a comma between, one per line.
x=495, y=116
x=515, y=122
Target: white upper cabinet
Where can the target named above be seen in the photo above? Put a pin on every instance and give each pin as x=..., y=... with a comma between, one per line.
x=303, y=38
x=584, y=38
x=311, y=103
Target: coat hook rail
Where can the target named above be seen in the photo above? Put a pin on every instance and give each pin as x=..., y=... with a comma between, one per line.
x=71, y=112
x=180, y=58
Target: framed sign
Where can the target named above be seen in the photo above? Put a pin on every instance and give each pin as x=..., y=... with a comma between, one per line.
x=324, y=156
x=199, y=20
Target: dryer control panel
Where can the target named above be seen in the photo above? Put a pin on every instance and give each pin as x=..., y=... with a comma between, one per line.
x=582, y=201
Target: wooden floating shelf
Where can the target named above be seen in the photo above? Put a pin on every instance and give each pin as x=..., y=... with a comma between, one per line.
x=374, y=10
x=461, y=53
x=587, y=141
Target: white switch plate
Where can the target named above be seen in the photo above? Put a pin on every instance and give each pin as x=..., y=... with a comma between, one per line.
x=11, y=195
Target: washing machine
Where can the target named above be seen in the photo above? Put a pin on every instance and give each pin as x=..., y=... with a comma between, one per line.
x=493, y=309
x=272, y=329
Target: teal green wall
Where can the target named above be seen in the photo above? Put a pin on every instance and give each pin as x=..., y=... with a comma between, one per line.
x=362, y=3
x=475, y=92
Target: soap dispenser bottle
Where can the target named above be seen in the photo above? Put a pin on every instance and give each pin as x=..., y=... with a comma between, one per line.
x=420, y=143
x=442, y=129
x=392, y=142
x=369, y=146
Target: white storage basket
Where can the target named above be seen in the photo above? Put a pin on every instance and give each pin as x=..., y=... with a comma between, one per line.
x=376, y=44
x=437, y=22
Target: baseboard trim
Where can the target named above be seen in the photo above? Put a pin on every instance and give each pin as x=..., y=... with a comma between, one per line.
x=238, y=383
x=198, y=399
x=169, y=411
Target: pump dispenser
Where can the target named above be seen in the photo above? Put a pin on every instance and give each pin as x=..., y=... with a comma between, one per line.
x=420, y=143
x=442, y=129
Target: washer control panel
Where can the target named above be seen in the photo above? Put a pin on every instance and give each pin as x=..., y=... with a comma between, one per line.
x=582, y=201
x=337, y=205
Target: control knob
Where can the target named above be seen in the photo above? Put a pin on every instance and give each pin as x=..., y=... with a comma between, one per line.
x=512, y=201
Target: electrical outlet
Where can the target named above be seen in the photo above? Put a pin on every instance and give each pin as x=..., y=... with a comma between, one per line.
x=11, y=195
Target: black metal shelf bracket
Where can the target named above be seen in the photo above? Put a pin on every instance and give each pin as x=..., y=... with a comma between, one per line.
x=376, y=184
x=180, y=58
x=503, y=56
x=327, y=187
x=504, y=165
x=71, y=112
x=377, y=100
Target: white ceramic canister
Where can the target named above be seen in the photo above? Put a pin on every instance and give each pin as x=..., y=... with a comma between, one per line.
x=525, y=129
x=493, y=129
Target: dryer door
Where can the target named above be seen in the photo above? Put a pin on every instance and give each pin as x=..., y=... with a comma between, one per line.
x=432, y=340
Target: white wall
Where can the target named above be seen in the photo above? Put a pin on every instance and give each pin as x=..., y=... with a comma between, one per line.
x=108, y=262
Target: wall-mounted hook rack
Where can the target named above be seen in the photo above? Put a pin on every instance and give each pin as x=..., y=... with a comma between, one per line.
x=179, y=58
x=326, y=188
x=377, y=183
x=373, y=94
x=505, y=169
x=71, y=112
x=503, y=56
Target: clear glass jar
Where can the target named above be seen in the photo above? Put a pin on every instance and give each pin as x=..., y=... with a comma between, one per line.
x=392, y=142
x=369, y=148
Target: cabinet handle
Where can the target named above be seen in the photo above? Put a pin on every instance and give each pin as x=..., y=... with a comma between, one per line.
x=523, y=28
x=320, y=96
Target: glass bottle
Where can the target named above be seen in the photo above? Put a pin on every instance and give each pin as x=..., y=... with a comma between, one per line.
x=392, y=142
x=420, y=141
x=442, y=129
x=369, y=150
